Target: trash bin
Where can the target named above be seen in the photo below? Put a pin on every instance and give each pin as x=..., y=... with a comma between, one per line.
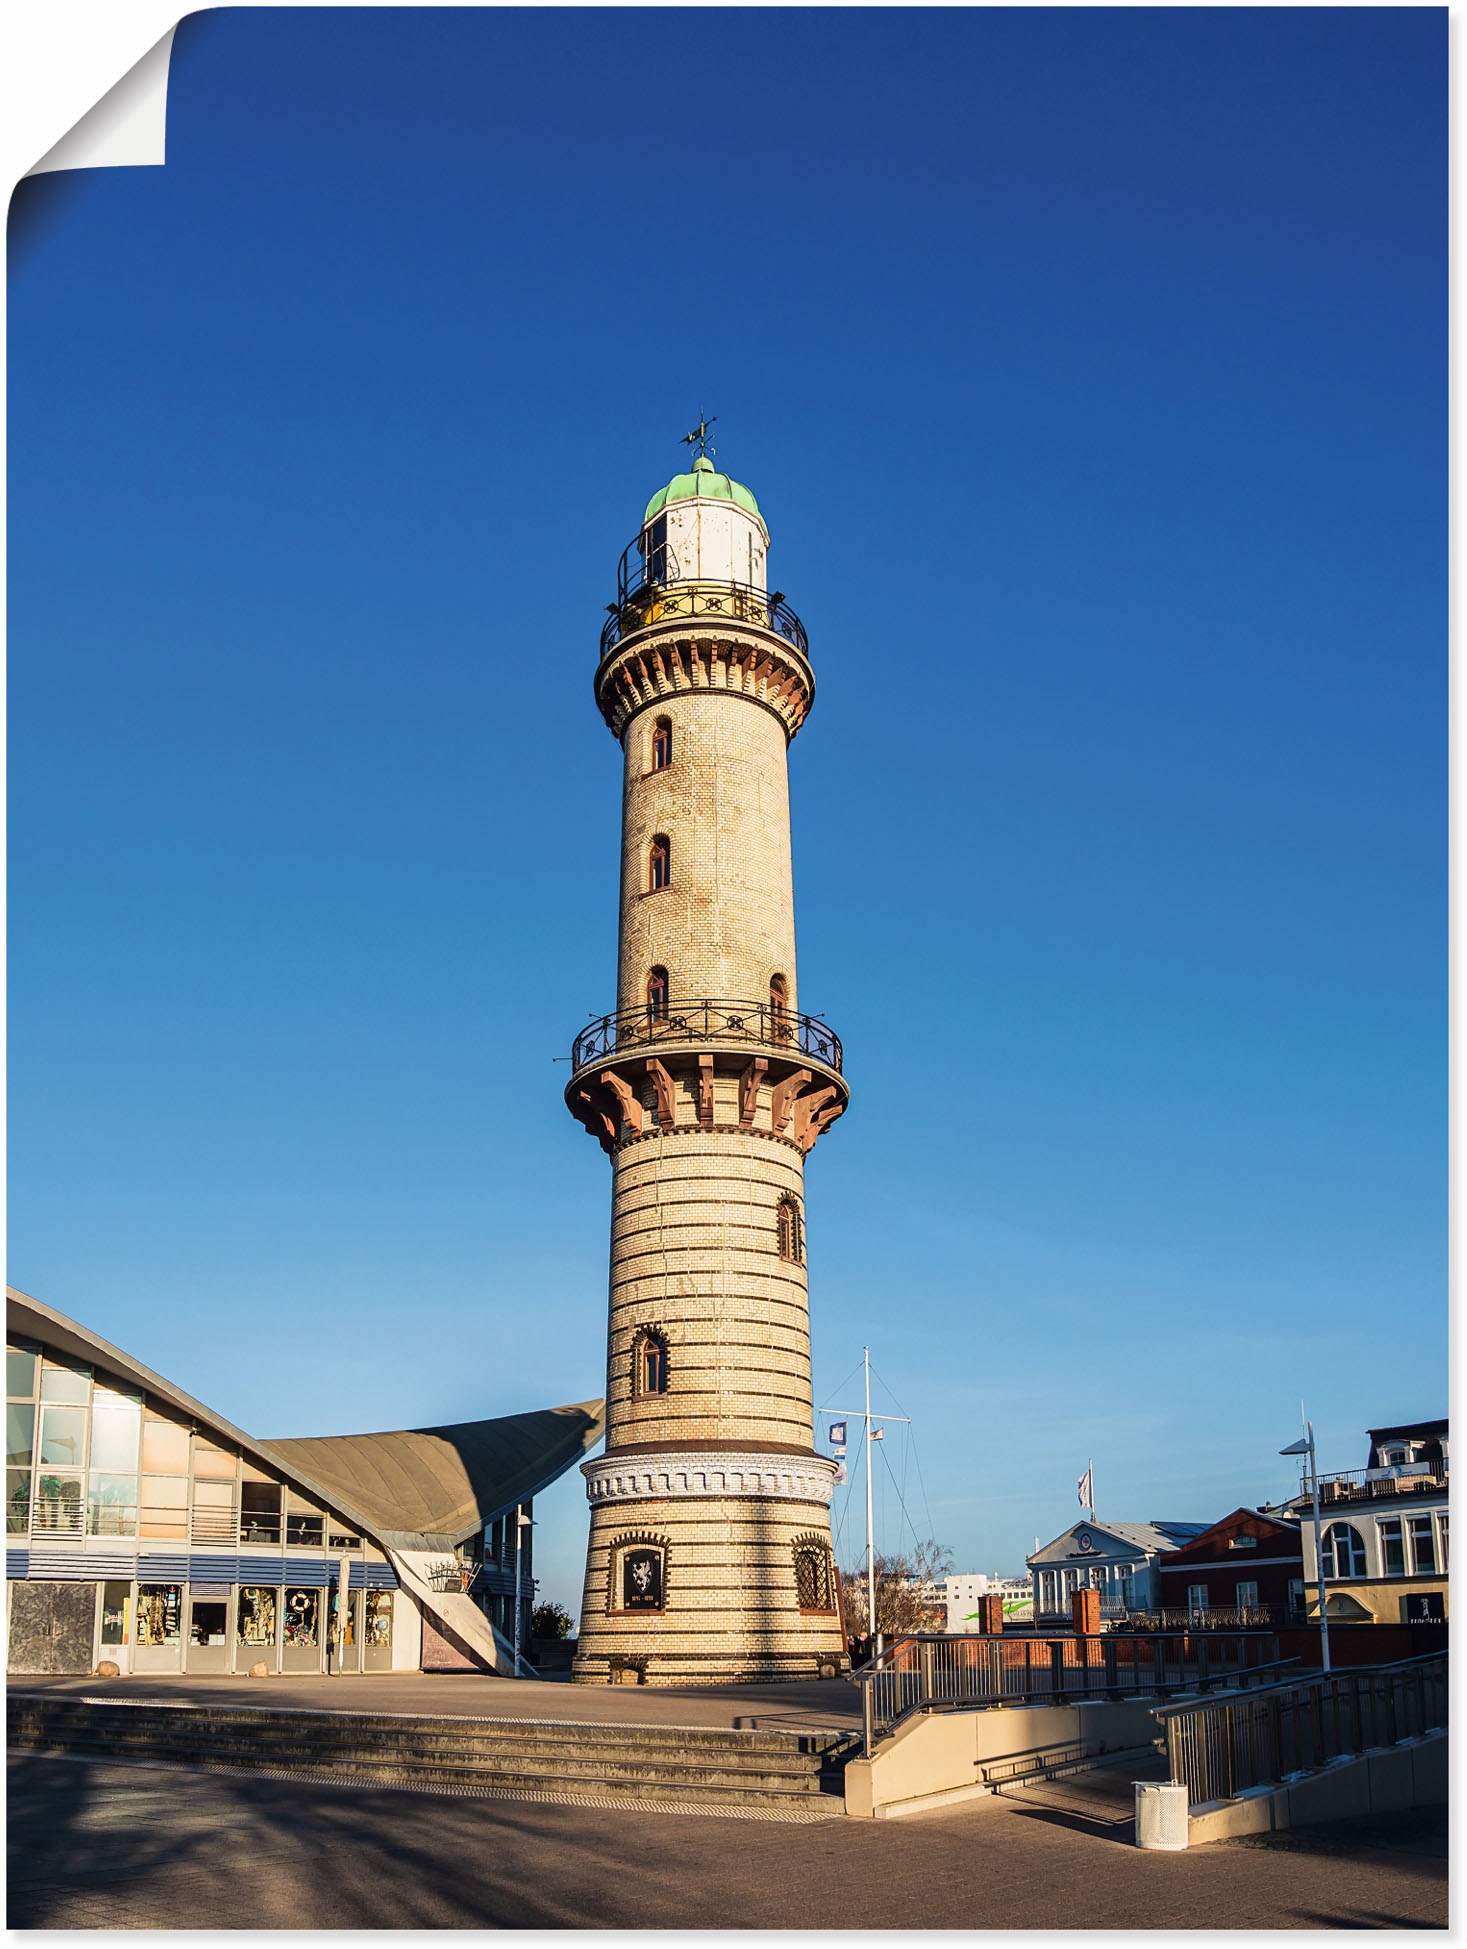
x=1161, y=1815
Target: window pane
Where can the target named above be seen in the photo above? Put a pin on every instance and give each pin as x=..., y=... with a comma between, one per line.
x=257, y=1616
x=65, y=1383
x=160, y=1613
x=63, y=1437
x=259, y=1520
x=116, y=1397
x=306, y=1531
x=112, y=1505
x=58, y=1504
x=116, y=1601
x=1392, y=1547
x=164, y=1506
x=302, y=1608
x=216, y=1463
x=1423, y=1546
x=165, y=1447
x=20, y=1371
x=115, y=1439
x=17, y=1501
x=377, y=1634
x=20, y=1433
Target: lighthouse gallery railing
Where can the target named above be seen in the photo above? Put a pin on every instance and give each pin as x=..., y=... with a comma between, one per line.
x=733, y=602
x=707, y=1021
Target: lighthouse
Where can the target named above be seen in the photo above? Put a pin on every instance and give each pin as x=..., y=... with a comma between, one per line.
x=709, y=1559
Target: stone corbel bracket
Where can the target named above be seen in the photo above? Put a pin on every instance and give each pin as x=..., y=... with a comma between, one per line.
x=627, y=1098
x=662, y=660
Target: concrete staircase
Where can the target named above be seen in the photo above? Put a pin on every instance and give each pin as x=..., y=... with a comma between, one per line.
x=793, y=1772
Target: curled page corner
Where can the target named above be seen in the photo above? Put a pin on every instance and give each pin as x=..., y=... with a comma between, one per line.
x=127, y=127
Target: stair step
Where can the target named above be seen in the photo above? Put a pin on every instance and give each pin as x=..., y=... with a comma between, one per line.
x=706, y=1765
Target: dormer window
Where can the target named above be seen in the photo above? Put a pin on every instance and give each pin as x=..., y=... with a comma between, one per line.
x=1243, y=1543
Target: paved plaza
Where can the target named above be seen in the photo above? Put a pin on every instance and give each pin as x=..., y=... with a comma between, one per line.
x=98, y=1844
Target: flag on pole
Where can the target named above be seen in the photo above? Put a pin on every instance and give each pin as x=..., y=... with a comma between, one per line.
x=1087, y=1490
x=837, y=1434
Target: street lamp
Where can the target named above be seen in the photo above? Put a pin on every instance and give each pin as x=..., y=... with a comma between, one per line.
x=522, y=1522
x=1305, y=1446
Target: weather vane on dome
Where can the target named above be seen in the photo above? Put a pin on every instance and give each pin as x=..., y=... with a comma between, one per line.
x=699, y=435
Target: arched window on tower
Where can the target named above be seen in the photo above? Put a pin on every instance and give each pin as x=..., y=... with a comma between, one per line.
x=659, y=992
x=649, y=1363
x=662, y=744
x=791, y=1232
x=660, y=873
x=814, y=1584
x=779, y=1008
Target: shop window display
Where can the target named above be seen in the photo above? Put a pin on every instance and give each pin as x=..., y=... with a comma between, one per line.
x=377, y=1630
x=302, y=1614
x=160, y=1613
x=257, y=1616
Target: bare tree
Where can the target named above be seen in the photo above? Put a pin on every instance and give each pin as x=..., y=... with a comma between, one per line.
x=909, y=1594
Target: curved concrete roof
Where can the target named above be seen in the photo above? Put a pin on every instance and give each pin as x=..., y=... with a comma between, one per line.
x=439, y=1483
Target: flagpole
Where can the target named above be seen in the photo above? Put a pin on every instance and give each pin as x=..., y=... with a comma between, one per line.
x=1090, y=1472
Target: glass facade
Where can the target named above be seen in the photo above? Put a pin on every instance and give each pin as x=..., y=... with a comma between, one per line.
x=90, y=1457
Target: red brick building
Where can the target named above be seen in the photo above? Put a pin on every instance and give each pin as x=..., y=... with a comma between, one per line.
x=1246, y=1569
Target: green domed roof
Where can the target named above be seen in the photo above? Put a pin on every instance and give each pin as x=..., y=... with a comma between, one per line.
x=706, y=482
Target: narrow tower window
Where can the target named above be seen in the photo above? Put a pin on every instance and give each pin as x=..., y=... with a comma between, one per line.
x=658, y=991
x=661, y=873
x=662, y=744
x=649, y=1364
x=779, y=1008
x=791, y=1241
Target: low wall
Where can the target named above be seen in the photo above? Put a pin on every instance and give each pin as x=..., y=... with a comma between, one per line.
x=1382, y=1781
x=936, y=1758
x=1351, y=1645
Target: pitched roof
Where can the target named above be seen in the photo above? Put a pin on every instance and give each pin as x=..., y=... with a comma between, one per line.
x=1147, y=1537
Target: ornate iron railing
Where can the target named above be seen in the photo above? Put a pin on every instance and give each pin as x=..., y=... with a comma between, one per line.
x=1219, y=1748
x=705, y=1021
x=735, y=602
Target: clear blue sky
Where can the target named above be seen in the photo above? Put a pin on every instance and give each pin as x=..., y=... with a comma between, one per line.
x=1090, y=369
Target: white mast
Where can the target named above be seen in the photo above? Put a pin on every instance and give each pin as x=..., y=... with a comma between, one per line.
x=873, y=1433
x=870, y=1525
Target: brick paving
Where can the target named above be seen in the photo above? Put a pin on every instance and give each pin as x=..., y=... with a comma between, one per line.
x=95, y=1844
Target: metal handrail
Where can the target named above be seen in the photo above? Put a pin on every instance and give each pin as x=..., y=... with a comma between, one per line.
x=929, y=1671
x=1217, y=1748
x=707, y=1021
x=737, y=602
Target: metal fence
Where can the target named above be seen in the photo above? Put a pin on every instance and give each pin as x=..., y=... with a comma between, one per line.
x=1219, y=1747
x=772, y=1027
x=928, y=1672
x=733, y=602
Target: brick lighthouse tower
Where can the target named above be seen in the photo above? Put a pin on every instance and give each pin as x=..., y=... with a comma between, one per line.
x=709, y=1558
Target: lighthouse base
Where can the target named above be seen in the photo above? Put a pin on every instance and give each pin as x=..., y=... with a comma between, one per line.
x=702, y=1588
